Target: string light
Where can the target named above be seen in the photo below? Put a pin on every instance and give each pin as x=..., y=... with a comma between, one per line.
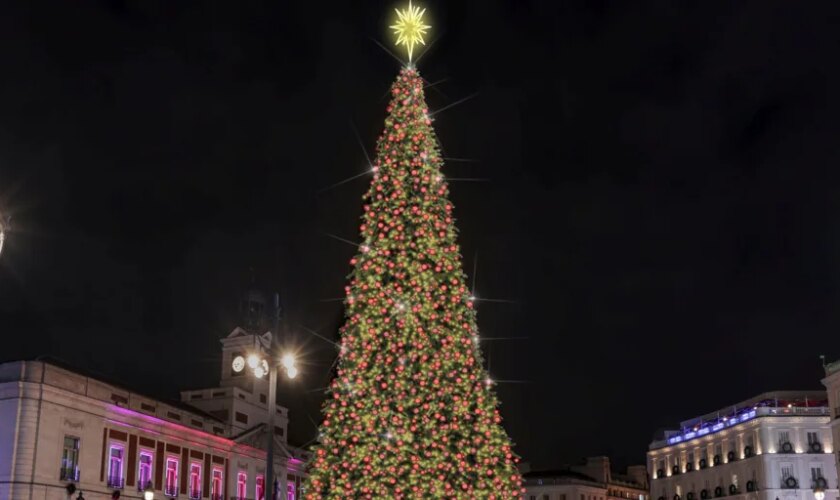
x=409, y=370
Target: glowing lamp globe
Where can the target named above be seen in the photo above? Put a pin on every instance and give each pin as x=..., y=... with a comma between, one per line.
x=148, y=493
x=259, y=372
x=293, y=371
x=3, y=228
x=288, y=361
x=819, y=493
x=253, y=361
x=238, y=364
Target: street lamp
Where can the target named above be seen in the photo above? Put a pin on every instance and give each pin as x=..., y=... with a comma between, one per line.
x=819, y=493
x=4, y=226
x=261, y=366
x=148, y=493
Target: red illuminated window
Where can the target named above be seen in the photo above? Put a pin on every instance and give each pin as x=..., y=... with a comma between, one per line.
x=171, y=489
x=195, y=480
x=216, y=486
x=241, y=485
x=260, y=487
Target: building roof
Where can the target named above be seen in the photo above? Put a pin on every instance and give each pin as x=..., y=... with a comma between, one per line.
x=560, y=474
x=110, y=380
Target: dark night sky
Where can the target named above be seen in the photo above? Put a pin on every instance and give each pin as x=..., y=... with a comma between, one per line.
x=661, y=205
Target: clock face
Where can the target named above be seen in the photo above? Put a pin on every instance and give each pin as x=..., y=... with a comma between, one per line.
x=238, y=364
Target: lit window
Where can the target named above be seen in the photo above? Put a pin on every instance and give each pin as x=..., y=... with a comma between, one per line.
x=144, y=470
x=290, y=491
x=171, y=489
x=216, y=487
x=241, y=484
x=195, y=480
x=260, y=487
x=115, y=463
x=70, y=459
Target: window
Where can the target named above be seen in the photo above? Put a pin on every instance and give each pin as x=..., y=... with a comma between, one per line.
x=148, y=408
x=216, y=486
x=70, y=459
x=813, y=438
x=562, y=496
x=262, y=397
x=171, y=488
x=115, y=465
x=290, y=491
x=784, y=437
x=582, y=497
x=195, y=480
x=144, y=470
x=241, y=485
x=533, y=497
x=787, y=471
x=241, y=418
x=816, y=473
x=718, y=450
x=173, y=416
x=260, y=487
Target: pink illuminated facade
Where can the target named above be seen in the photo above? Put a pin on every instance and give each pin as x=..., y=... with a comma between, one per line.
x=62, y=431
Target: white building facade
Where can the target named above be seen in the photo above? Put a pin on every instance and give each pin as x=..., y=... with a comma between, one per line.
x=594, y=480
x=832, y=385
x=63, y=433
x=775, y=446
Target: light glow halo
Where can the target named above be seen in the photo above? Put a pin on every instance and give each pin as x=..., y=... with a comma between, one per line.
x=409, y=28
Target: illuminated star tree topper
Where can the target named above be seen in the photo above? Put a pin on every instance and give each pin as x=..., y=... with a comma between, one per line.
x=409, y=28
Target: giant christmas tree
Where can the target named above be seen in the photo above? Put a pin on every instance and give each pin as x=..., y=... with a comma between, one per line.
x=412, y=412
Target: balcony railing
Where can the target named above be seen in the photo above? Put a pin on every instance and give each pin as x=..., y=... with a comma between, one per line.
x=142, y=485
x=195, y=494
x=115, y=482
x=789, y=483
x=69, y=474
x=170, y=490
x=216, y=496
x=712, y=426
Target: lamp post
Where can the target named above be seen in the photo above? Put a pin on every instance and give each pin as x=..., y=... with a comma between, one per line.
x=819, y=493
x=260, y=367
x=4, y=226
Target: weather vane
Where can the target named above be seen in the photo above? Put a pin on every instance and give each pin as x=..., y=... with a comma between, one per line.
x=409, y=28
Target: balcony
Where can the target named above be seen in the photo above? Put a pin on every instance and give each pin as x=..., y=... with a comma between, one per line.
x=142, y=485
x=170, y=490
x=116, y=482
x=69, y=474
x=789, y=483
x=195, y=494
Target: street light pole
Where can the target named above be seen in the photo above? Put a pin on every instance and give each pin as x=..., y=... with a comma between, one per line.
x=272, y=401
x=262, y=363
x=272, y=409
